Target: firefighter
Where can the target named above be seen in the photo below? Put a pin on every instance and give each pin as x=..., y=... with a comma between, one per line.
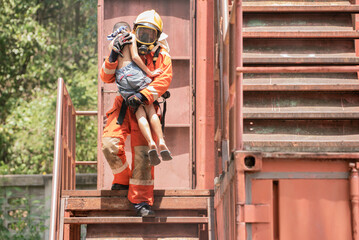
x=121, y=120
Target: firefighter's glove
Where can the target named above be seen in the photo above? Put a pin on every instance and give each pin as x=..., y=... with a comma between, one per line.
x=135, y=101
x=120, y=41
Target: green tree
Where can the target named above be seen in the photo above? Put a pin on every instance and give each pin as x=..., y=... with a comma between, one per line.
x=41, y=40
x=24, y=59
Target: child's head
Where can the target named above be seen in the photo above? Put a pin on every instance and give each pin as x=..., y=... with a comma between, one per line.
x=124, y=25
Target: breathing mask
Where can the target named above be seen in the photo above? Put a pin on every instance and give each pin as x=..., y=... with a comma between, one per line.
x=146, y=37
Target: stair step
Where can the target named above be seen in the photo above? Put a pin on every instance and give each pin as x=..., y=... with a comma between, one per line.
x=251, y=58
x=327, y=129
x=299, y=51
x=122, y=220
x=300, y=34
x=301, y=135
x=284, y=142
x=306, y=25
x=145, y=232
x=301, y=105
x=311, y=155
x=122, y=203
x=298, y=3
x=302, y=138
x=283, y=114
x=300, y=82
x=122, y=193
x=180, y=214
x=255, y=7
x=309, y=87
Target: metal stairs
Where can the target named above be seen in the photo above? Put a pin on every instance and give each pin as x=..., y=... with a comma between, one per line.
x=300, y=111
x=180, y=214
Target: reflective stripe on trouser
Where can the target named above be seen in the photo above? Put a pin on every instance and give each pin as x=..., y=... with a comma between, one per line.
x=113, y=149
x=142, y=180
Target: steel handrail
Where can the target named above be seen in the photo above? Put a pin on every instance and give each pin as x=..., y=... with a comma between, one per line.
x=64, y=166
x=225, y=15
x=86, y=113
x=229, y=64
x=54, y=216
x=239, y=77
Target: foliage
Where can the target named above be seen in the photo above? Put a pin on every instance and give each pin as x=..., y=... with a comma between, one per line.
x=33, y=133
x=26, y=217
x=41, y=40
x=24, y=58
x=33, y=130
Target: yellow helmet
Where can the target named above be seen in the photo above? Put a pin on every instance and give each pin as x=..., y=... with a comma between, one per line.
x=151, y=17
x=148, y=27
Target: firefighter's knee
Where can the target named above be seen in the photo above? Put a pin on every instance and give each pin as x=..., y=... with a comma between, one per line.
x=113, y=149
x=112, y=146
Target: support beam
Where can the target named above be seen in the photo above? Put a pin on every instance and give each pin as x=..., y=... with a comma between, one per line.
x=205, y=151
x=301, y=34
x=317, y=69
x=301, y=9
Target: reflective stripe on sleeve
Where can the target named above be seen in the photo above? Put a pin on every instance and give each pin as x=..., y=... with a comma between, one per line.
x=108, y=71
x=154, y=92
x=165, y=53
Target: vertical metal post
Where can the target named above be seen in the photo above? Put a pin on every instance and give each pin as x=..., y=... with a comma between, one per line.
x=239, y=77
x=73, y=187
x=100, y=102
x=240, y=200
x=240, y=175
x=354, y=199
x=205, y=150
x=56, y=181
x=225, y=13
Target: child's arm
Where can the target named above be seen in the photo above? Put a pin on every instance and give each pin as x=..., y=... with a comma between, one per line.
x=137, y=59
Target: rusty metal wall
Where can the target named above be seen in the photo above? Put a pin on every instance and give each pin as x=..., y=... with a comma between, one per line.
x=177, y=19
x=306, y=198
x=296, y=176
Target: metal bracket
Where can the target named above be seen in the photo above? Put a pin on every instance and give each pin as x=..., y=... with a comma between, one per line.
x=257, y=213
x=248, y=161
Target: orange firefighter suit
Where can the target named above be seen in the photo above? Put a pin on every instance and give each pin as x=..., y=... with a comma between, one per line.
x=141, y=178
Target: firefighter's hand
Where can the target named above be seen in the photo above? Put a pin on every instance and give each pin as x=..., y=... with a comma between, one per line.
x=120, y=41
x=135, y=101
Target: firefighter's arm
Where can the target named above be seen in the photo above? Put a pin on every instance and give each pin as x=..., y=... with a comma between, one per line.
x=160, y=83
x=107, y=72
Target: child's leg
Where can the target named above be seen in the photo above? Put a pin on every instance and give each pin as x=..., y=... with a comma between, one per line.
x=157, y=128
x=146, y=132
x=144, y=127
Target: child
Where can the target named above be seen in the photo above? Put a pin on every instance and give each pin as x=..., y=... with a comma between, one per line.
x=130, y=79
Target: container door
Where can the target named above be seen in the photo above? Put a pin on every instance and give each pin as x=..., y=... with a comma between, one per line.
x=303, y=204
x=177, y=22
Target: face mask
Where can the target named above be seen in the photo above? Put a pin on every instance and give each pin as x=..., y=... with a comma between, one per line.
x=146, y=35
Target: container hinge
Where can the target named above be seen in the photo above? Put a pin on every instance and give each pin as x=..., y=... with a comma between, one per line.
x=257, y=213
